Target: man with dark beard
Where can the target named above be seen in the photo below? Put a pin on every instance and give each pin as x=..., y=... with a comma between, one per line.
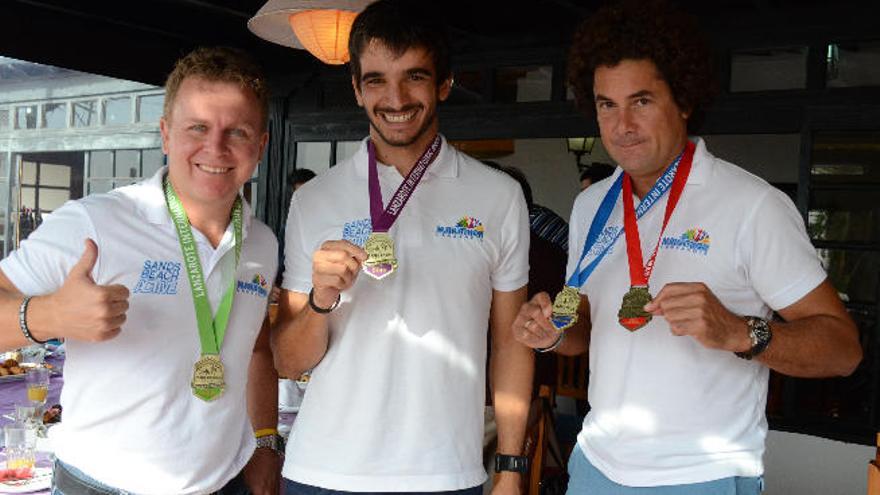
x=396, y=397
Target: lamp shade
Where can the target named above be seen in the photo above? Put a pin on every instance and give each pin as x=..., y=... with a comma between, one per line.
x=319, y=26
x=324, y=33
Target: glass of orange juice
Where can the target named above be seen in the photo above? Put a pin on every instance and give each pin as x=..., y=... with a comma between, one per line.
x=37, y=379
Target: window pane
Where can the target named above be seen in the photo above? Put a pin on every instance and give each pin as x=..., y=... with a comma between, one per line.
x=28, y=197
x=3, y=169
x=855, y=274
x=101, y=164
x=55, y=115
x=848, y=215
x=28, y=172
x=468, y=88
x=26, y=117
x=768, y=69
x=150, y=108
x=346, y=149
x=846, y=398
x=117, y=110
x=100, y=186
x=54, y=175
x=153, y=159
x=522, y=84
x=4, y=119
x=85, y=113
x=853, y=64
x=128, y=163
x=52, y=199
x=315, y=156
x=851, y=157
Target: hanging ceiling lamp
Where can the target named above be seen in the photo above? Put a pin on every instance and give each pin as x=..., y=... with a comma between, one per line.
x=321, y=27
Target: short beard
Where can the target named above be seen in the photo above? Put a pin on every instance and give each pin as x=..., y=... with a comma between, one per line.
x=407, y=142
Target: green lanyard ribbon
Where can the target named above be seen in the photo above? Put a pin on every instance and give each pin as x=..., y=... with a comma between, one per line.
x=212, y=330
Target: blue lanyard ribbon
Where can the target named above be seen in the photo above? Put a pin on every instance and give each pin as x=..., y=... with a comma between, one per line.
x=579, y=277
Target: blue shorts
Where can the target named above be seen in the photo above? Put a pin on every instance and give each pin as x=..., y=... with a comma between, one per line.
x=584, y=478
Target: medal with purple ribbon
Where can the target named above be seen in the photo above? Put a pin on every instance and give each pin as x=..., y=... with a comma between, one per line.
x=379, y=246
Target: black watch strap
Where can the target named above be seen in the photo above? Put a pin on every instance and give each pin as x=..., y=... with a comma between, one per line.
x=760, y=334
x=515, y=463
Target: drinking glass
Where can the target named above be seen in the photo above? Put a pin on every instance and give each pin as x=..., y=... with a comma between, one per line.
x=37, y=379
x=20, y=448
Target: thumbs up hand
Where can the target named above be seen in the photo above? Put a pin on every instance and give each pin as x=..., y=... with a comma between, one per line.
x=82, y=309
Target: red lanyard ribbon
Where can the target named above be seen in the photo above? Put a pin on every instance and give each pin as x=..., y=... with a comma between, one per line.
x=639, y=274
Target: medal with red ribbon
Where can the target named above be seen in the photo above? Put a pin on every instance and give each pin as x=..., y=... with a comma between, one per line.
x=632, y=314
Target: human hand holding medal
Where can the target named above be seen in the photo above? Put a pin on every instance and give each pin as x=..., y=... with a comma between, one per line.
x=532, y=326
x=335, y=267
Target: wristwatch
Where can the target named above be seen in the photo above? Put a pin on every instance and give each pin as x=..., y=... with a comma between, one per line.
x=515, y=463
x=760, y=335
x=273, y=441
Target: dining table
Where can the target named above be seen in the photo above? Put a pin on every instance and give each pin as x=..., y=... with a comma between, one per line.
x=13, y=390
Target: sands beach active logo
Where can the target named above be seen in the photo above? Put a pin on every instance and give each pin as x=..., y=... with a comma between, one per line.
x=466, y=228
x=694, y=240
x=258, y=286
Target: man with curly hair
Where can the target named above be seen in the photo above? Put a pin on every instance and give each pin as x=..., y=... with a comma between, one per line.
x=680, y=349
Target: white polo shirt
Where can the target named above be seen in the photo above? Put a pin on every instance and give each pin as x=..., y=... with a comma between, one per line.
x=396, y=404
x=130, y=418
x=665, y=409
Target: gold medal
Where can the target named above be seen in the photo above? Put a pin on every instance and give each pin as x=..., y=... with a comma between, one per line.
x=632, y=314
x=207, y=382
x=380, y=255
x=565, y=307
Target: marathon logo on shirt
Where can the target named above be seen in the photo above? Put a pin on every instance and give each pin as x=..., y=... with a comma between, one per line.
x=158, y=277
x=258, y=286
x=466, y=228
x=357, y=231
x=695, y=240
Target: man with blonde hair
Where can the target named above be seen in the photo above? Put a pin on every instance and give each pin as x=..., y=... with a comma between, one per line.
x=160, y=291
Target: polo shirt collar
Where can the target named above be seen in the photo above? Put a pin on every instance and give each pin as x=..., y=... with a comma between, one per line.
x=702, y=163
x=150, y=198
x=445, y=165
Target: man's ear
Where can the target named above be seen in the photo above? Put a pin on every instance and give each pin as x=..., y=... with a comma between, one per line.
x=445, y=88
x=357, y=91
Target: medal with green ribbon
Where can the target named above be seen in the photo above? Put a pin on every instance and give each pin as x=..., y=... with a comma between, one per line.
x=207, y=381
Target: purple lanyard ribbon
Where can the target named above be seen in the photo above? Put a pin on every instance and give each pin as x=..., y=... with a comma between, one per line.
x=382, y=220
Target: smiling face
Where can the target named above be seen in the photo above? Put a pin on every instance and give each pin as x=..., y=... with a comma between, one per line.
x=642, y=127
x=400, y=94
x=214, y=137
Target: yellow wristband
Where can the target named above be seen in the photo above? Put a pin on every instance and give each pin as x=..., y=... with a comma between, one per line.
x=265, y=432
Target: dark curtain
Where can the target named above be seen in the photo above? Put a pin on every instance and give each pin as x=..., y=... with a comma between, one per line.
x=277, y=164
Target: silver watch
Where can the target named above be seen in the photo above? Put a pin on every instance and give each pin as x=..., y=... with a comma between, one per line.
x=760, y=334
x=274, y=442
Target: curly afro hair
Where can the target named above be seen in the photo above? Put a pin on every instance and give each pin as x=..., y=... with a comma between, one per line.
x=643, y=30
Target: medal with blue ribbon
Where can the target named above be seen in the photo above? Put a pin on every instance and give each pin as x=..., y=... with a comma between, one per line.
x=568, y=299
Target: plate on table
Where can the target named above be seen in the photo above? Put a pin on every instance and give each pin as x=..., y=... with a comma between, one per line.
x=42, y=480
x=16, y=378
